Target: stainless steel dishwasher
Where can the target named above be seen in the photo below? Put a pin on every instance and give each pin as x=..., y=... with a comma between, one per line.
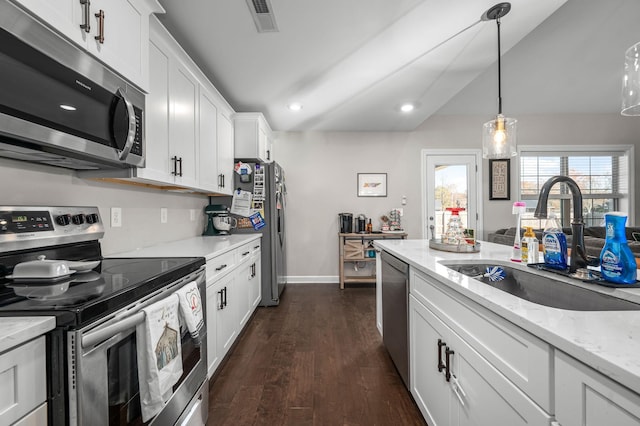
x=395, y=313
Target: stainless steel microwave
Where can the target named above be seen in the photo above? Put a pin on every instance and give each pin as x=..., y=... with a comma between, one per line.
x=60, y=106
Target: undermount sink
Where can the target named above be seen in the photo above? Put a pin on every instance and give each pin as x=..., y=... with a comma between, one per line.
x=544, y=290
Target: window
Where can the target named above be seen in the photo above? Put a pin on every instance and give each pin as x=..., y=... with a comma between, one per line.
x=603, y=178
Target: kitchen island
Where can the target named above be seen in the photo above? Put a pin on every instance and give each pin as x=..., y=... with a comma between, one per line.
x=547, y=341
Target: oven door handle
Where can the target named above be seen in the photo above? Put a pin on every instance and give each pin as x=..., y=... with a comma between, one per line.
x=102, y=334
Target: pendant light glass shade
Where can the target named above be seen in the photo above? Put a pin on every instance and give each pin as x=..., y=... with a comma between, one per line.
x=499, y=134
x=499, y=138
x=631, y=81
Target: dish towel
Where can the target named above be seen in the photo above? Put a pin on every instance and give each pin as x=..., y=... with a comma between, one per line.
x=191, y=309
x=159, y=355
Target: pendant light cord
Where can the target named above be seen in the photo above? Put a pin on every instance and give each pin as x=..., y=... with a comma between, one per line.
x=499, y=71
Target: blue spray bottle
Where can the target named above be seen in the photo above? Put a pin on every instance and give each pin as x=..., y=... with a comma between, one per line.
x=617, y=263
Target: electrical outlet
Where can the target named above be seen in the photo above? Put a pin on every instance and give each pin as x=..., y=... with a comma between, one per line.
x=163, y=215
x=116, y=217
x=192, y=215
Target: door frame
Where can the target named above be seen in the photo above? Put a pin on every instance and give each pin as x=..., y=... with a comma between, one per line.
x=424, y=154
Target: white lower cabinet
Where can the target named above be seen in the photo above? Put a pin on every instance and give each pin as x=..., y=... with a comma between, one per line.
x=231, y=279
x=243, y=277
x=454, y=385
x=23, y=386
x=585, y=397
x=255, y=283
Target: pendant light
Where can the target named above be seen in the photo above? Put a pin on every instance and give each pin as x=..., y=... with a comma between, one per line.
x=631, y=81
x=499, y=135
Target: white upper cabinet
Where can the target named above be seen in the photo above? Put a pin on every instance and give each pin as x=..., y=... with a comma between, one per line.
x=170, y=118
x=253, y=137
x=114, y=31
x=225, y=151
x=216, y=142
x=208, y=140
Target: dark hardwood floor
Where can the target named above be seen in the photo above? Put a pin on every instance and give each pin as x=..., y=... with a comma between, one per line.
x=317, y=359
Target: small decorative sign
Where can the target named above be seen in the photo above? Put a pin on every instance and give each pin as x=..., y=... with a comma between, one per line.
x=500, y=179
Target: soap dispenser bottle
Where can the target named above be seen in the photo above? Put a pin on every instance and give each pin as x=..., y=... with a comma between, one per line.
x=555, y=245
x=617, y=263
x=529, y=246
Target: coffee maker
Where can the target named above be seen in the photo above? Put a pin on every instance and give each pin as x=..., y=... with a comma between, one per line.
x=219, y=222
x=346, y=223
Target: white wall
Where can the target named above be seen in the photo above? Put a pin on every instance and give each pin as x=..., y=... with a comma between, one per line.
x=321, y=173
x=321, y=169
x=30, y=184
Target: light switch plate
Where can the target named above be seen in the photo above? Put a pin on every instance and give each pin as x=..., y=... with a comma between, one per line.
x=163, y=215
x=116, y=217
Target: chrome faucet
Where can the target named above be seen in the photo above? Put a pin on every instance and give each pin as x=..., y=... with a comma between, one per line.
x=579, y=258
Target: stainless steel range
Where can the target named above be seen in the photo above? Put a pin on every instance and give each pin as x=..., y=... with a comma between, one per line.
x=92, y=369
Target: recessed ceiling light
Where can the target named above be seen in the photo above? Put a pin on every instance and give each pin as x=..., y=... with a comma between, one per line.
x=296, y=106
x=407, y=107
x=67, y=107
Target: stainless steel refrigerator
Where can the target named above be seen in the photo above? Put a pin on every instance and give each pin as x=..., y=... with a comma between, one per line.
x=273, y=188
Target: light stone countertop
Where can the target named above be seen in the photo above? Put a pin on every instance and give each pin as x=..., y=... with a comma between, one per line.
x=206, y=246
x=608, y=341
x=15, y=331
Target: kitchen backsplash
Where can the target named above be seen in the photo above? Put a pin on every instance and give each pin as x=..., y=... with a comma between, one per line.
x=30, y=184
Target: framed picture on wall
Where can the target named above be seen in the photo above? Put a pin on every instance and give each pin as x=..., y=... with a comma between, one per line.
x=372, y=184
x=500, y=179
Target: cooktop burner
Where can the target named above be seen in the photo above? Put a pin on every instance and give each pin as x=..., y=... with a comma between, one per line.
x=84, y=297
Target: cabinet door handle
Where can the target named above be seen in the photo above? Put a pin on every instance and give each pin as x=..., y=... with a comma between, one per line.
x=100, y=36
x=221, y=267
x=268, y=155
x=222, y=180
x=448, y=354
x=86, y=25
x=225, y=296
x=174, y=159
x=180, y=162
x=440, y=363
x=221, y=306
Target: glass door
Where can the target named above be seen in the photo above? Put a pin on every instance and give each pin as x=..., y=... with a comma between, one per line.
x=451, y=187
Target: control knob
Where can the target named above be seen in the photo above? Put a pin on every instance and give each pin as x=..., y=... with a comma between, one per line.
x=63, y=219
x=92, y=218
x=77, y=219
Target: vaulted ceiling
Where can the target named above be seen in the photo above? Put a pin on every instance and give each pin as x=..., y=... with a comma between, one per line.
x=352, y=64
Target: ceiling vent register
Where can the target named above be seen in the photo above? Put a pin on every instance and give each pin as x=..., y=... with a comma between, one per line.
x=262, y=15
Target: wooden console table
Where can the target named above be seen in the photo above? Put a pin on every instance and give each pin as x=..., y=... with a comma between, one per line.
x=359, y=248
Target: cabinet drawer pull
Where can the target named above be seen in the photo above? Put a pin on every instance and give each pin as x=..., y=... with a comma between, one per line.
x=256, y=247
x=100, y=36
x=221, y=267
x=440, y=363
x=448, y=354
x=86, y=25
x=221, y=305
x=246, y=253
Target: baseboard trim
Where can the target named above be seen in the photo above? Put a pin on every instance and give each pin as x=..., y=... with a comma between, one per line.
x=306, y=279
